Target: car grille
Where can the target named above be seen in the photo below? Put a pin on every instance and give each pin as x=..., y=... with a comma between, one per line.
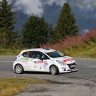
x=72, y=66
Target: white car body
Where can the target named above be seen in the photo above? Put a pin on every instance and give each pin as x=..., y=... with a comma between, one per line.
x=48, y=62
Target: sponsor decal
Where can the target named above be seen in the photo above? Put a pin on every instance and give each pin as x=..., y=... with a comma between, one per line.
x=40, y=62
x=69, y=59
x=45, y=64
x=24, y=59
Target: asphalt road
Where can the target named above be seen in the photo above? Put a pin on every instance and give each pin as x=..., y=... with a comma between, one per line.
x=86, y=76
x=87, y=69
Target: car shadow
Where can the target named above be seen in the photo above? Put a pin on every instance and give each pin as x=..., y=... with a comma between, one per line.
x=41, y=73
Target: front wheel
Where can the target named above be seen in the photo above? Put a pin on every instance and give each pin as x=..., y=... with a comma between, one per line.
x=54, y=70
x=18, y=69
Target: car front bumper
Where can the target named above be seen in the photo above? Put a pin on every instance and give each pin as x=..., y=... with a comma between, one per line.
x=69, y=68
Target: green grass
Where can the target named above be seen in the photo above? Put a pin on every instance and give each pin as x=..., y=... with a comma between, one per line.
x=5, y=51
x=87, y=51
x=12, y=86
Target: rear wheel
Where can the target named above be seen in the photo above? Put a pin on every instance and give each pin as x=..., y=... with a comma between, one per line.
x=54, y=70
x=18, y=69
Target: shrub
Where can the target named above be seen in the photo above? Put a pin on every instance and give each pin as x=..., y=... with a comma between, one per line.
x=74, y=41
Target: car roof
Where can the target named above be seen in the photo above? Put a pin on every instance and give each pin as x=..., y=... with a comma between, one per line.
x=44, y=50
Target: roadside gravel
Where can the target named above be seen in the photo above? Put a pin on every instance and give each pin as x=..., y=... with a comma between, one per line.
x=69, y=87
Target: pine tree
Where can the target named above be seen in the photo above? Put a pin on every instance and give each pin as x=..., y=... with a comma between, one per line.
x=6, y=24
x=66, y=24
x=35, y=32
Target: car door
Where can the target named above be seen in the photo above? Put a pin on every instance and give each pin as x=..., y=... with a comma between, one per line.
x=32, y=64
x=25, y=58
x=39, y=61
x=44, y=66
x=30, y=61
x=43, y=61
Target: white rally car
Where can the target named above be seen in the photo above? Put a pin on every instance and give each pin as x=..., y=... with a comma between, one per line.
x=44, y=60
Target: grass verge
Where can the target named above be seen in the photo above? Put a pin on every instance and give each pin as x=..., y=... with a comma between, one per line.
x=4, y=51
x=88, y=51
x=12, y=86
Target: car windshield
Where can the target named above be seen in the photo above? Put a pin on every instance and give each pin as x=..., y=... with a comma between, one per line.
x=55, y=54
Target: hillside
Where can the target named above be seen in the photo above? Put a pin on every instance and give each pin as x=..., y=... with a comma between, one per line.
x=77, y=46
x=85, y=52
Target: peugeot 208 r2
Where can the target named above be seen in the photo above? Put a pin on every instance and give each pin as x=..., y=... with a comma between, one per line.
x=44, y=60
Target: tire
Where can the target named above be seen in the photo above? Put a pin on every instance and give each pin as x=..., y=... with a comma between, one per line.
x=18, y=69
x=54, y=70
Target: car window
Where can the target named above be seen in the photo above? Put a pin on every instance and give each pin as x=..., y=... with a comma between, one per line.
x=38, y=55
x=55, y=54
x=26, y=54
x=33, y=54
x=44, y=57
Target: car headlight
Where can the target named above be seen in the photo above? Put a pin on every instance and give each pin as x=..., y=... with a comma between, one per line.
x=60, y=62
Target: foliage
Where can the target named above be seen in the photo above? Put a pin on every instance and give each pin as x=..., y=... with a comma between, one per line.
x=66, y=24
x=6, y=24
x=10, y=51
x=85, y=52
x=35, y=32
x=38, y=33
x=78, y=45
